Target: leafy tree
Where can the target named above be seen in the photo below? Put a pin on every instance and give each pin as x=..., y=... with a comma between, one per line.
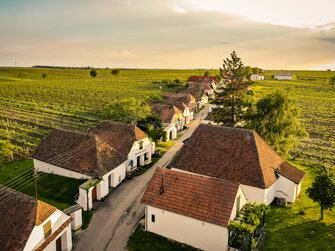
x=332, y=80
x=207, y=74
x=93, y=73
x=276, y=120
x=322, y=191
x=44, y=75
x=152, y=125
x=233, y=101
x=127, y=110
x=115, y=72
x=6, y=151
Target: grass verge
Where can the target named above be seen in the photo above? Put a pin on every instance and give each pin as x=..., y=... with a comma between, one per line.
x=55, y=190
x=143, y=240
x=298, y=226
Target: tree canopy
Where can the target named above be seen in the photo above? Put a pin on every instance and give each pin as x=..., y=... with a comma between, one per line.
x=276, y=120
x=322, y=191
x=6, y=151
x=332, y=80
x=93, y=73
x=233, y=101
x=127, y=110
x=115, y=72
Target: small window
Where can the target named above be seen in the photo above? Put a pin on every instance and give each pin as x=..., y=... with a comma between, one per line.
x=47, y=229
x=120, y=178
x=141, y=144
x=238, y=202
x=153, y=218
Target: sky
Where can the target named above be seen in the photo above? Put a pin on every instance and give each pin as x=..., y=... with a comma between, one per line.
x=271, y=34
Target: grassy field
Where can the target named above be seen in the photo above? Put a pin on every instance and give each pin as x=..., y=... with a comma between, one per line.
x=56, y=190
x=298, y=226
x=144, y=241
x=32, y=106
x=316, y=98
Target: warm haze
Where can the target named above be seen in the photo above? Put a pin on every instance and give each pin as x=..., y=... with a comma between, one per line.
x=168, y=34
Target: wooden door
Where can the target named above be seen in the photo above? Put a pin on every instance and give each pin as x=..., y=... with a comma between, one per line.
x=94, y=194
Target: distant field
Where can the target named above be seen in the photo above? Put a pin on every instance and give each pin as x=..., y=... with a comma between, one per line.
x=70, y=98
x=316, y=99
x=31, y=106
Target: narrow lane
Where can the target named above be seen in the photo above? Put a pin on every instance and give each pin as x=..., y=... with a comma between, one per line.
x=115, y=218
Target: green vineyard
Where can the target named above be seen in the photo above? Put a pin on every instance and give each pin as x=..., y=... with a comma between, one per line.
x=31, y=106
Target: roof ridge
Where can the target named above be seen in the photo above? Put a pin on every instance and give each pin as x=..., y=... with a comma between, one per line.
x=258, y=157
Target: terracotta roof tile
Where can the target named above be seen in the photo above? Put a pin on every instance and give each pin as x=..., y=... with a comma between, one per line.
x=43, y=212
x=205, y=199
x=17, y=219
x=290, y=172
x=165, y=111
x=95, y=153
x=228, y=153
x=202, y=79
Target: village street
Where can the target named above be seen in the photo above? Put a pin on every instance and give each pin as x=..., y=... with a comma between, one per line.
x=115, y=218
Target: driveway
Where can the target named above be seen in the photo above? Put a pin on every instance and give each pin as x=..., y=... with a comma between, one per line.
x=115, y=218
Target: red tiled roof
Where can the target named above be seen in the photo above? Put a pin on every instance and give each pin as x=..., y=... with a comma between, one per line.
x=95, y=153
x=118, y=135
x=290, y=172
x=17, y=219
x=196, y=92
x=228, y=153
x=202, y=85
x=205, y=199
x=165, y=111
x=202, y=79
x=18, y=216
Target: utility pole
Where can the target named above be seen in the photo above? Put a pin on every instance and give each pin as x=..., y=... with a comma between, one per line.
x=35, y=177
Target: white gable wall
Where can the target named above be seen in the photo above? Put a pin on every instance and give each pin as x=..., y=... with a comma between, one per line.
x=287, y=189
x=135, y=151
x=204, y=235
x=44, y=167
x=36, y=237
x=243, y=201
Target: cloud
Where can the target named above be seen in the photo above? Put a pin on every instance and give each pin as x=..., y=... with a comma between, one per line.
x=127, y=54
x=178, y=9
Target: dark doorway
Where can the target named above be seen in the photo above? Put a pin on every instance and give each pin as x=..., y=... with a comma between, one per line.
x=170, y=135
x=59, y=244
x=138, y=161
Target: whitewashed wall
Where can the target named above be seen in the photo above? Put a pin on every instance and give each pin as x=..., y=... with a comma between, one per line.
x=85, y=198
x=286, y=189
x=183, y=229
x=136, y=151
x=243, y=201
x=49, y=168
x=36, y=237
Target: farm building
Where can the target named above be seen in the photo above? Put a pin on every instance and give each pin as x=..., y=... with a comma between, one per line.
x=184, y=102
x=285, y=76
x=198, y=93
x=240, y=156
x=172, y=118
x=29, y=224
x=257, y=76
x=177, y=202
x=103, y=157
